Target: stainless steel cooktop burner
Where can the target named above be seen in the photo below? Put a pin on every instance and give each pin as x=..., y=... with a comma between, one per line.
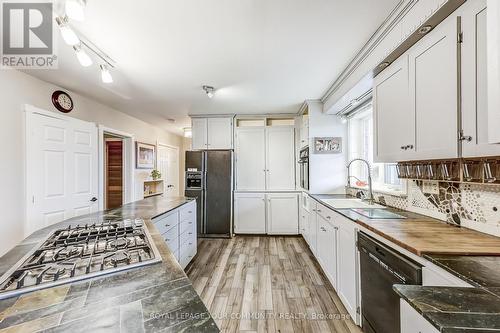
x=81, y=252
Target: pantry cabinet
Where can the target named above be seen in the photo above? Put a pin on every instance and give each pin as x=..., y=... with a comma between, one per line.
x=265, y=159
x=212, y=133
x=251, y=159
x=394, y=125
x=250, y=213
x=266, y=213
x=282, y=213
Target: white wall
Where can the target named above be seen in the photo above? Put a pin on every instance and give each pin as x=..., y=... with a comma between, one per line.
x=17, y=89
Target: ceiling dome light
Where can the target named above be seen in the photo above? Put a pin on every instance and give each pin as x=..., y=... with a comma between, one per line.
x=67, y=33
x=82, y=56
x=75, y=9
x=105, y=74
x=210, y=91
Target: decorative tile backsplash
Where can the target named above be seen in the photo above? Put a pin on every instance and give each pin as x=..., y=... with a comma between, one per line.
x=474, y=206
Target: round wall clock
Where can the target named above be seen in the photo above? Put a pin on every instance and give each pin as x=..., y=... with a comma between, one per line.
x=62, y=101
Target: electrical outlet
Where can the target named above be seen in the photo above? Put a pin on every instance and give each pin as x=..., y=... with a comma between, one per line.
x=430, y=187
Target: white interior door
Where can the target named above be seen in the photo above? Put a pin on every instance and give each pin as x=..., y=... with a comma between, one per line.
x=168, y=165
x=62, y=168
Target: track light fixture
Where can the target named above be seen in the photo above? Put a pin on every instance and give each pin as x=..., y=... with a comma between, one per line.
x=82, y=56
x=67, y=33
x=210, y=91
x=75, y=9
x=105, y=74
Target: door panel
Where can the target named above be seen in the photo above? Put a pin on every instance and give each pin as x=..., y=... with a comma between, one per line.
x=280, y=159
x=220, y=133
x=199, y=130
x=250, y=159
x=250, y=213
x=394, y=124
x=283, y=213
x=433, y=92
x=63, y=185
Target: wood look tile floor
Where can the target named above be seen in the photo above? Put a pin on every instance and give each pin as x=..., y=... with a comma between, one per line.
x=266, y=284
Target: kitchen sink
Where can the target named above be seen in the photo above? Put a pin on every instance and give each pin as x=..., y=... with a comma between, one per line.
x=350, y=203
x=379, y=214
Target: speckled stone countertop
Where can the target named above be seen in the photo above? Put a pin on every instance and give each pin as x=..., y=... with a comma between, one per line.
x=449, y=309
x=157, y=297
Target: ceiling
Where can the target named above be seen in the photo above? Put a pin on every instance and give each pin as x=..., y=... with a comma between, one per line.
x=262, y=56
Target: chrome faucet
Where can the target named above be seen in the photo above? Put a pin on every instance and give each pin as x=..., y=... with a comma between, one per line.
x=371, y=199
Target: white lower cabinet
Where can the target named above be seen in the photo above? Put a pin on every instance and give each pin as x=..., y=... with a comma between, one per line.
x=304, y=224
x=250, y=213
x=413, y=322
x=327, y=245
x=312, y=233
x=266, y=213
x=282, y=213
x=178, y=229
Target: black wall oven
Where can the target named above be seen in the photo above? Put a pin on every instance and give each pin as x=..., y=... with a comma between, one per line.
x=304, y=168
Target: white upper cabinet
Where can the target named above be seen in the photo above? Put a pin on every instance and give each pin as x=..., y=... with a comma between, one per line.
x=283, y=213
x=212, y=133
x=475, y=116
x=433, y=90
x=220, y=133
x=265, y=158
x=199, y=129
x=251, y=159
x=394, y=120
x=493, y=71
x=280, y=159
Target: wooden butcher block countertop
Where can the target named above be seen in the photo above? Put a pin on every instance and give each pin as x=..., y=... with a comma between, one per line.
x=421, y=235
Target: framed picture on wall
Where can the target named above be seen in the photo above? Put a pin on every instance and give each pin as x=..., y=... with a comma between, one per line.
x=145, y=155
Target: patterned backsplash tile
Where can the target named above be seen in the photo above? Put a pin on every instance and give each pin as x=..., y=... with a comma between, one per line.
x=474, y=206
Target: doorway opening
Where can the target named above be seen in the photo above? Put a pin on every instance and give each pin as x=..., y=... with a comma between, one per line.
x=113, y=171
x=168, y=165
x=116, y=169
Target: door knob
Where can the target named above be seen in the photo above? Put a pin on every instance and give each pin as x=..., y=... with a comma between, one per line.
x=94, y=199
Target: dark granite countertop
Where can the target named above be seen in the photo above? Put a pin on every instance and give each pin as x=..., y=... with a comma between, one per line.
x=449, y=309
x=157, y=297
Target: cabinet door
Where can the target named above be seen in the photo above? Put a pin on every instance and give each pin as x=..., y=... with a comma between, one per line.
x=493, y=70
x=312, y=234
x=283, y=213
x=475, y=82
x=394, y=121
x=303, y=222
x=220, y=133
x=347, y=287
x=249, y=213
x=327, y=249
x=280, y=159
x=434, y=93
x=199, y=129
x=412, y=321
x=250, y=159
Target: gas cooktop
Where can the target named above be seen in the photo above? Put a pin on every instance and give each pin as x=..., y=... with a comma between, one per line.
x=81, y=252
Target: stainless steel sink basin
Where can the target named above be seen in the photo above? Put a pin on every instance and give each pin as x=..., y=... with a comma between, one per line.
x=350, y=203
x=378, y=214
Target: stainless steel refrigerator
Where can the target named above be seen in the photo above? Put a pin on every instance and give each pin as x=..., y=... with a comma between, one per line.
x=209, y=179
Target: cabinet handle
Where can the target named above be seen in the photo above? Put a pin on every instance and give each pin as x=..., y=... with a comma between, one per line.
x=323, y=229
x=410, y=146
x=467, y=138
x=329, y=217
x=336, y=228
x=167, y=225
x=403, y=147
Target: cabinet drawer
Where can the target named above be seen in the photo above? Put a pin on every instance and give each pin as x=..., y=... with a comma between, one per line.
x=188, y=235
x=164, y=224
x=187, y=254
x=187, y=246
x=325, y=212
x=187, y=225
x=171, y=237
x=188, y=212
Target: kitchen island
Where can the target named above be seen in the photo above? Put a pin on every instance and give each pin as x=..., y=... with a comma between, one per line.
x=149, y=298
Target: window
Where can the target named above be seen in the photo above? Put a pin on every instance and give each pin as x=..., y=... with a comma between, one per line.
x=360, y=145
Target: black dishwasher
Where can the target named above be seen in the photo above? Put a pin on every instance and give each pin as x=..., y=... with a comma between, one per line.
x=381, y=268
